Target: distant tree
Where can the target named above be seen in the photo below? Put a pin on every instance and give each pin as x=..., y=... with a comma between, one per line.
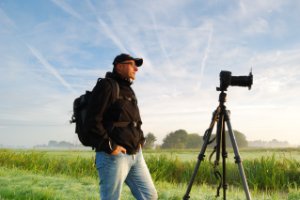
x=150, y=140
x=176, y=140
x=65, y=144
x=61, y=144
x=52, y=143
x=181, y=139
x=193, y=141
x=239, y=137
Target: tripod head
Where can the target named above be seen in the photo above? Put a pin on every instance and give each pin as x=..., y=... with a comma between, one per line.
x=222, y=97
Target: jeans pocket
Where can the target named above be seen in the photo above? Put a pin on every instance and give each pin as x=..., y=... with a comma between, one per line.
x=101, y=159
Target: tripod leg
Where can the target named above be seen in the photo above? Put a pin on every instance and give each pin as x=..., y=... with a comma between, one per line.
x=224, y=156
x=202, y=153
x=221, y=142
x=200, y=159
x=237, y=156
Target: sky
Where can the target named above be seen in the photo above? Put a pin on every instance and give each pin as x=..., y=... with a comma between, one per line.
x=51, y=51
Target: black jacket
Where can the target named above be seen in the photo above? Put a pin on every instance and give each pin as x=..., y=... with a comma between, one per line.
x=110, y=122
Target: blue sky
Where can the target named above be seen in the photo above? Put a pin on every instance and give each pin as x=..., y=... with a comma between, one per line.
x=52, y=51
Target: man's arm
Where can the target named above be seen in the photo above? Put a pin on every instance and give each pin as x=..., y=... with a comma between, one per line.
x=100, y=101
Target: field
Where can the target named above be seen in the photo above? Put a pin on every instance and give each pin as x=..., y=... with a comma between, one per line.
x=70, y=174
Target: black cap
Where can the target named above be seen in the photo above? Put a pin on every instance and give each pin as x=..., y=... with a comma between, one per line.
x=123, y=57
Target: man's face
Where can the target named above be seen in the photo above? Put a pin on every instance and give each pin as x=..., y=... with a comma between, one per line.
x=127, y=69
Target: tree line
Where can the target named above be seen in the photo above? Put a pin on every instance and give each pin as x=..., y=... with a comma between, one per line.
x=180, y=139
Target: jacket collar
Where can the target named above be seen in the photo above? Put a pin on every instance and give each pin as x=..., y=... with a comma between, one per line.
x=118, y=77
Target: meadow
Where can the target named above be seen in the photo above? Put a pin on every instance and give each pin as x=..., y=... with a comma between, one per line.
x=70, y=174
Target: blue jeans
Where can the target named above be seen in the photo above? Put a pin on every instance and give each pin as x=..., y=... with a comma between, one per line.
x=113, y=171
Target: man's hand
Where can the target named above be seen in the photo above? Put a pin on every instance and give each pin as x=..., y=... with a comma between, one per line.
x=118, y=149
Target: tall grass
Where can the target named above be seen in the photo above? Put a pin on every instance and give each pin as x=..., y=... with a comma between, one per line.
x=41, y=162
x=265, y=173
x=262, y=173
x=271, y=173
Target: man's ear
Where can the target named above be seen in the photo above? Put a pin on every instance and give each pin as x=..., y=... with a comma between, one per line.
x=117, y=68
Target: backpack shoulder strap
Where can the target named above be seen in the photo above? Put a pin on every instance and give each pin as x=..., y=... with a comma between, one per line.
x=116, y=88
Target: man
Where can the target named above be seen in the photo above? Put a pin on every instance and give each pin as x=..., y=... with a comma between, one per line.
x=114, y=125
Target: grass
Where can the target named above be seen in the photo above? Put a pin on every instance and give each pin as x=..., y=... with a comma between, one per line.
x=49, y=164
x=20, y=184
x=72, y=175
x=245, y=153
x=262, y=173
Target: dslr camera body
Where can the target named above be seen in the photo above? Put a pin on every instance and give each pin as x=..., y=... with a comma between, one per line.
x=226, y=79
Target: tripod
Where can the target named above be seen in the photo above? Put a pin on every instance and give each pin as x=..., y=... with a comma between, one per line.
x=221, y=115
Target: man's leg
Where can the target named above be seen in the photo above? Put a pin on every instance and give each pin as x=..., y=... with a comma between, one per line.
x=112, y=171
x=139, y=179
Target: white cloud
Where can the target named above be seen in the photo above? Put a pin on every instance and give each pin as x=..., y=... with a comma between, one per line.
x=6, y=22
x=259, y=26
x=67, y=8
x=50, y=68
x=184, y=49
x=255, y=8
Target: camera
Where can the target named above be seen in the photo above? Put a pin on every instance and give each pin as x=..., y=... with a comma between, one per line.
x=226, y=79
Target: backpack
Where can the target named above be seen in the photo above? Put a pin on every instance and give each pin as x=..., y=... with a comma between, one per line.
x=80, y=106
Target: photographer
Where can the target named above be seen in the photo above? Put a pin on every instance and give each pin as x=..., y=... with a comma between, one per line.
x=115, y=128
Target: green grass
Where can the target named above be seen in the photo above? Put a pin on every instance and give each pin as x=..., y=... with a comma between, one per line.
x=262, y=173
x=72, y=175
x=20, y=184
x=183, y=155
x=42, y=162
x=245, y=153
x=17, y=184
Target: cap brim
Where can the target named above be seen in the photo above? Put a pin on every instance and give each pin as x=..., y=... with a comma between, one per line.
x=138, y=62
